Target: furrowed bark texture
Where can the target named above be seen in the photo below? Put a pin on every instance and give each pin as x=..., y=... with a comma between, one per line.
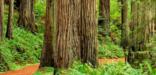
x=76, y=22
x=61, y=43
x=88, y=32
x=76, y=33
x=26, y=15
x=105, y=13
x=1, y=18
x=63, y=52
x=47, y=58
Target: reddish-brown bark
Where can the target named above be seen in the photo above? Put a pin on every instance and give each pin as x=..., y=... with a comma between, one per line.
x=26, y=15
x=88, y=31
x=1, y=18
x=9, y=33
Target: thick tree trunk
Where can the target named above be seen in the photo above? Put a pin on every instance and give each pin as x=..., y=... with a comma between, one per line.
x=67, y=28
x=76, y=22
x=61, y=43
x=63, y=52
x=10, y=20
x=26, y=15
x=1, y=18
x=105, y=13
x=47, y=58
x=88, y=32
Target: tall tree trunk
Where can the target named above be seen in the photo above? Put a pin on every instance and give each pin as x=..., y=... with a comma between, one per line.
x=76, y=22
x=26, y=15
x=10, y=20
x=105, y=13
x=124, y=27
x=89, y=32
x=133, y=25
x=63, y=52
x=47, y=58
x=61, y=33
x=1, y=18
x=137, y=50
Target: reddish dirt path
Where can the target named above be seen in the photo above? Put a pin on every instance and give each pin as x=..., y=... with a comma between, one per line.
x=29, y=70
x=108, y=61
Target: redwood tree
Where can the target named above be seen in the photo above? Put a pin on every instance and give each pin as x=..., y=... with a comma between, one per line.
x=70, y=31
x=61, y=43
x=88, y=32
x=26, y=15
x=105, y=15
x=125, y=26
x=140, y=19
x=1, y=18
x=47, y=58
x=63, y=51
x=10, y=20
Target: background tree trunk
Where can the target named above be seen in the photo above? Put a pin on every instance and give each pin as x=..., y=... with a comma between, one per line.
x=133, y=25
x=1, y=18
x=140, y=34
x=105, y=13
x=125, y=26
x=10, y=20
x=89, y=32
x=26, y=15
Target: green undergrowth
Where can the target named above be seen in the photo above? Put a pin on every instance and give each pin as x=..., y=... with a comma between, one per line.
x=108, y=69
x=45, y=71
x=23, y=49
x=108, y=49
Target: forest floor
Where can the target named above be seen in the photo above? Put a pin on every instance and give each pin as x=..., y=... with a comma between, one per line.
x=30, y=70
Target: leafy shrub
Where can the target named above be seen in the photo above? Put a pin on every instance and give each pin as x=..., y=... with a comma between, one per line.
x=44, y=71
x=40, y=7
x=108, y=69
x=110, y=50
